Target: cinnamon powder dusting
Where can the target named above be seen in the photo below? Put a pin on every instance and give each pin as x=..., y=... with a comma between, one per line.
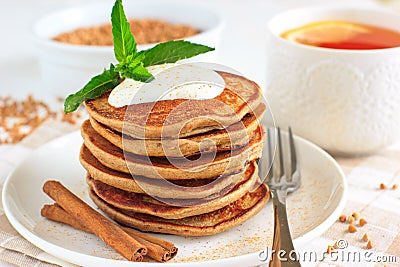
x=146, y=31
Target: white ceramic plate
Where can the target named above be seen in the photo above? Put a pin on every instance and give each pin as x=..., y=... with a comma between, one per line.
x=311, y=210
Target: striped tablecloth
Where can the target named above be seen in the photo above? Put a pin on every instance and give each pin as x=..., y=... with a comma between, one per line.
x=380, y=208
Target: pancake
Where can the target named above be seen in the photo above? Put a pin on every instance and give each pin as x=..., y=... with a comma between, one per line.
x=172, y=208
x=157, y=167
x=234, y=136
x=196, y=188
x=200, y=225
x=180, y=117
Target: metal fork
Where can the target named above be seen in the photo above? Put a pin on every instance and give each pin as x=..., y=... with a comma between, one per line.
x=280, y=181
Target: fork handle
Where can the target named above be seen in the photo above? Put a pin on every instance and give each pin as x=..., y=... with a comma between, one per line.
x=282, y=238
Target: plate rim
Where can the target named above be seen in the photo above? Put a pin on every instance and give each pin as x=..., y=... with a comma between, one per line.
x=47, y=246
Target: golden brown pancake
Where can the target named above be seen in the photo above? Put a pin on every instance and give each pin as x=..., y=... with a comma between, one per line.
x=172, y=208
x=234, y=136
x=196, y=188
x=180, y=117
x=199, y=225
x=157, y=167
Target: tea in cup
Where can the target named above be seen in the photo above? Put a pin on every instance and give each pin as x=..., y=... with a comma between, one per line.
x=339, y=34
x=333, y=75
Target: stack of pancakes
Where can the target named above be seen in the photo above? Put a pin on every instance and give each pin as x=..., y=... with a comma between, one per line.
x=184, y=167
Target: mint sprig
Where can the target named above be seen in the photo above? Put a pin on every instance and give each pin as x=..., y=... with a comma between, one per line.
x=131, y=63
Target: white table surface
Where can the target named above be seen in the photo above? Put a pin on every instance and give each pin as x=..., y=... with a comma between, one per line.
x=242, y=46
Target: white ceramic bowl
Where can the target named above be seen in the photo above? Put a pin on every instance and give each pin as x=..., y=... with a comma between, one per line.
x=346, y=101
x=66, y=68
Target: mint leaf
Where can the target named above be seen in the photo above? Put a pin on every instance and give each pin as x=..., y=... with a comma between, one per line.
x=130, y=62
x=97, y=86
x=172, y=51
x=139, y=73
x=124, y=42
x=133, y=68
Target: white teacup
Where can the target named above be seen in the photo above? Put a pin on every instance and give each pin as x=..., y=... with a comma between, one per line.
x=346, y=101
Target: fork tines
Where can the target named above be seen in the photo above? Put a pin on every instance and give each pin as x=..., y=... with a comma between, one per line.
x=273, y=169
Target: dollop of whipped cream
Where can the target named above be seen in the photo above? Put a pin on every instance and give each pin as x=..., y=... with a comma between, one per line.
x=172, y=81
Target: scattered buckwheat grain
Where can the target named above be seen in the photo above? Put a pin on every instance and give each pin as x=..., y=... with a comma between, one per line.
x=356, y=215
x=330, y=249
x=19, y=118
x=365, y=237
x=362, y=222
x=369, y=244
x=352, y=228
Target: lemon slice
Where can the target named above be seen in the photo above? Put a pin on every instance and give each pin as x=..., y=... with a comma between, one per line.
x=327, y=31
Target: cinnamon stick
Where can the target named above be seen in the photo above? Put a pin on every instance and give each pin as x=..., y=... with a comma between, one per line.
x=109, y=232
x=173, y=250
x=158, y=249
x=56, y=213
x=154, y=251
